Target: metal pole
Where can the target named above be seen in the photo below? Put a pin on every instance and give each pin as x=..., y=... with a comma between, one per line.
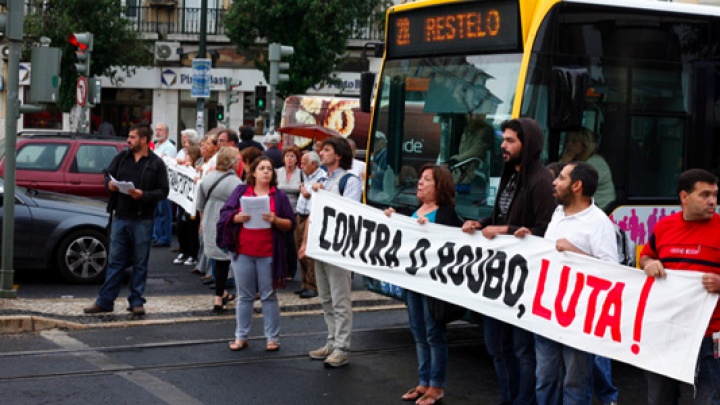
x=12, y=108
x=200, y=124
x=271, y=126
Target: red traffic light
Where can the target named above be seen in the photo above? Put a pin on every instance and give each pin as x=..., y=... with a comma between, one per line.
x=82, y=41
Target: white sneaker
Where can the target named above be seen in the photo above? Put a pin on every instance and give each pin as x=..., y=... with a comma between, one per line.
x=180, y=259
x=321, y=353
x=337, y=358
x=190, y=261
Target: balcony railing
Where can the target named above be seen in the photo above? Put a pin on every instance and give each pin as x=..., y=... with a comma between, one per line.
x=185, y=20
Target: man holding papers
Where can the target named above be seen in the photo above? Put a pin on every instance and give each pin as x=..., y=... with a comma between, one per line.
x=144, y=181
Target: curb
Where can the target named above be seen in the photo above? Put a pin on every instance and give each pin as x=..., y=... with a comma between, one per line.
x=16, y=321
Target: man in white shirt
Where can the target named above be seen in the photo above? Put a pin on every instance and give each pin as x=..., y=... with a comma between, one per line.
x=162, y=229
x=310, y=165
x=564, y=374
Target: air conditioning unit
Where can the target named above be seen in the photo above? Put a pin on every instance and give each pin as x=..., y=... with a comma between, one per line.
x=167, y=51
x=162, y=3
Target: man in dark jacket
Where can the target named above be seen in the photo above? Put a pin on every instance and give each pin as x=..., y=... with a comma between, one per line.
x=524, y=199
x=132, y=207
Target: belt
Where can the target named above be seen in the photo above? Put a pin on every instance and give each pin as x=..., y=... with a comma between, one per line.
x=303, y=215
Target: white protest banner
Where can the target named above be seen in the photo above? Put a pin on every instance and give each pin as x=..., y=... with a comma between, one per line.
x=599, y=307
x=182, y=185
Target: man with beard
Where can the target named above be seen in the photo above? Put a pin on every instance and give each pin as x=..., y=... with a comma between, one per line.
x=564, y=374
x=132, y=213
x=162, y=231
x=524, y=200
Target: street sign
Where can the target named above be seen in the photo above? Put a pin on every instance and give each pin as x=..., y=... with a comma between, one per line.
x=81, y=91
x=201, y=78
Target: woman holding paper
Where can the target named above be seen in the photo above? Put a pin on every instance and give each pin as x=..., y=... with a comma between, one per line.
x=436, y=194
x=252, y=225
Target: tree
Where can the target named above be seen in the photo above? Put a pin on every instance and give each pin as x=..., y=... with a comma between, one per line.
x=117, y=46
x=317, y=29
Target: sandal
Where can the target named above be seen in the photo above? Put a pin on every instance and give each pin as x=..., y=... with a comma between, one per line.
x=238, y=345
x=272, y=346
x=219, y=309
x=430, y=397
x=228, y=298
x=414, y=393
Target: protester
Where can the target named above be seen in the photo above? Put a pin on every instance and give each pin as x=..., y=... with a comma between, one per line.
x=565, y=374
x=187, y=137
x=524, y=200
x=310, y=165
x=358, y=166
x=188, y=224
x=689, y=240
x=247, y=134
x=258, y=258
x=208, y=148
x=271, y=150
x=132, y=219
x=227, y=137
x=289, y=179
x=333, y=282
x=436, y=194
x=249, y=155
x=162, y=229
x=212, y=194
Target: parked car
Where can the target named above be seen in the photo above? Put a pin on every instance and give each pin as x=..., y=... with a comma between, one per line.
x=62, y=231
x=64, y=162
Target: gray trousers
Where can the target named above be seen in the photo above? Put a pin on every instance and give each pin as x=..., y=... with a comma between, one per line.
x=334, y=285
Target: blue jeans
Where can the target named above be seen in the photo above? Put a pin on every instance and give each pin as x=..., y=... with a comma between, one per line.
x=430, y=342
x=605, y=390
x=255, y=274
x=664, y=390
x=162, y=231
x=513, y=353
x=129, y=243
x=564, y=374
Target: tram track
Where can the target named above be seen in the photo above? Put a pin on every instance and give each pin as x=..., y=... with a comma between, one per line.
x=115, y=367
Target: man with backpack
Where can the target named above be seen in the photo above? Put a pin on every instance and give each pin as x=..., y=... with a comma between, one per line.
x=333, y=282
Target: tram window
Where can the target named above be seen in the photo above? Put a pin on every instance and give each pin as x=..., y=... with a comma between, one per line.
x=656, y=156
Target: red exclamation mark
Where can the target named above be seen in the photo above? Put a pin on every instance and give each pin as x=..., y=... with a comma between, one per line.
x=637, y=331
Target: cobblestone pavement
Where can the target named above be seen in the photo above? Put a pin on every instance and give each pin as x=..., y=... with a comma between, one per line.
x=24, y=315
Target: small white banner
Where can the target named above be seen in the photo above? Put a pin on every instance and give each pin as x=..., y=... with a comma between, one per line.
x=182, y=185
x=595, y=306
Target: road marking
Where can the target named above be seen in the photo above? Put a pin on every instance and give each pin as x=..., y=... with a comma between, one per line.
x=165, y=391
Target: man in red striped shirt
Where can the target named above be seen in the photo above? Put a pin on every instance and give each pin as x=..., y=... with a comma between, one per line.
x=690, y=240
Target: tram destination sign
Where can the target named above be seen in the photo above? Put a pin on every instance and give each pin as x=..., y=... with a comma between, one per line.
x=456, y=28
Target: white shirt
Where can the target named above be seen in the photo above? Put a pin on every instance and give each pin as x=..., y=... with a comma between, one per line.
x=590, y=230
x=166, y=148
x=358, y=168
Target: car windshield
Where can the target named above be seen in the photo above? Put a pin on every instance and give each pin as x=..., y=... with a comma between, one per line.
x=445, y=110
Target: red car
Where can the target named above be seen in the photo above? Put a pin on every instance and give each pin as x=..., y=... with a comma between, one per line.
x=64, y=162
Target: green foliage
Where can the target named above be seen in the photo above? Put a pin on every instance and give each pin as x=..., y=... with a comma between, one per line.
x=117, y=45
x=317, y=29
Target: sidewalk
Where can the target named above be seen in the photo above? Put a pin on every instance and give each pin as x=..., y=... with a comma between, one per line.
x=31, y=315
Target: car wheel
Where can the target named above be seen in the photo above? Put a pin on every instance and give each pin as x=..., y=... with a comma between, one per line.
x=83, y=256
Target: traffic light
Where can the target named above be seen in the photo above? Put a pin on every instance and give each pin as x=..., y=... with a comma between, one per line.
x=220, y=113
x=260, y=97
x=275, y=54
x=84, y=43
x=11, y=20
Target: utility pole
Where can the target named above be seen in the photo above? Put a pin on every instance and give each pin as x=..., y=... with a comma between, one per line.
x=200, y=123
x=14, y=33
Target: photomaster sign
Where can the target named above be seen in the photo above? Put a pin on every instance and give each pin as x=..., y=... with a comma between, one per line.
x=201, y=78
x=595, y=306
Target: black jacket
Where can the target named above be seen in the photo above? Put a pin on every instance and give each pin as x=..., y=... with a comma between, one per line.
x=533, y=204
x=149, y=174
